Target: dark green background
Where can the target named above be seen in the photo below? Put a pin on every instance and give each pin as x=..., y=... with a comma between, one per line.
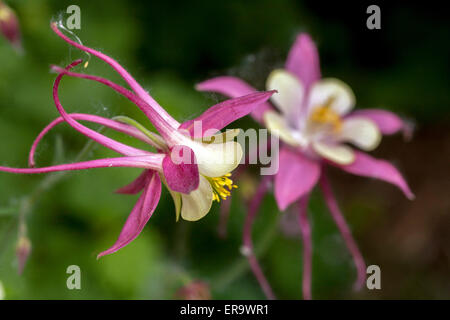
x=169, y=46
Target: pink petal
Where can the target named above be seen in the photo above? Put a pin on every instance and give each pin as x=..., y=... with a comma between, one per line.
x=234, y=87
x=224, y=113
x=303, y=60
x=150, y=102
x=136, y=186
x=103, y=140
x=297, y=175
x=181, y=170
x=151, y=161
x=387, y=122
x=121, y=127
x=365, y=165
x=140, y=214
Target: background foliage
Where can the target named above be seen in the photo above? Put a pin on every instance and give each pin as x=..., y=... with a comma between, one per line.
x=169, y=46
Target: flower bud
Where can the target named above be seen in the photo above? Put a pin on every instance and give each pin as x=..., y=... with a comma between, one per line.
x=23, y=250
x=9, y=26
x=196, y=290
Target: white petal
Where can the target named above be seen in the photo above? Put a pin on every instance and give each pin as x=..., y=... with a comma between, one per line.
x=290, y=91
x=217, y=159
x=361, y=132
x=198, y=203
x=343, y=99
x=340, y=154
x=277, y=125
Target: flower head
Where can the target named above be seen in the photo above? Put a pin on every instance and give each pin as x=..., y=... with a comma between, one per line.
x=313, y=118
x=316, y=121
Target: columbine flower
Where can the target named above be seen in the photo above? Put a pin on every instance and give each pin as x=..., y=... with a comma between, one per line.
x=192, y=161
x=312, y=118
x=9, y=26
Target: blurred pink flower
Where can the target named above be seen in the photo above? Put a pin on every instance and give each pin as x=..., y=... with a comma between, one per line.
x=313, y=119
x=195, y=172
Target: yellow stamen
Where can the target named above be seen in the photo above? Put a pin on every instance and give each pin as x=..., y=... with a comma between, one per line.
x=222, y=187
x=325, y=115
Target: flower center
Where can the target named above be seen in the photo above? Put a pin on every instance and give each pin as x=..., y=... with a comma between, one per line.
x=325, y=115
x=222, y=187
